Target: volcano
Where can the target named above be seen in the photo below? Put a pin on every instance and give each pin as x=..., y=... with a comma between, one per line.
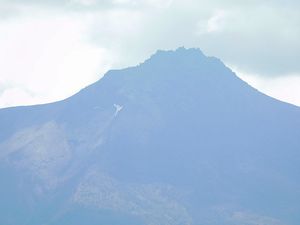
x=176, y=140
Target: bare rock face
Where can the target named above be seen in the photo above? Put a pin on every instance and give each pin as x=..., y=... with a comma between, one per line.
x=42, y=152
x=153, y=204
x=177, y=140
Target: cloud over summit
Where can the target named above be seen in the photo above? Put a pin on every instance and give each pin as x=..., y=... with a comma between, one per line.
x=255, y=37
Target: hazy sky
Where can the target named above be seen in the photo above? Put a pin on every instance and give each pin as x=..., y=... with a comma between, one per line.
x=52, y=48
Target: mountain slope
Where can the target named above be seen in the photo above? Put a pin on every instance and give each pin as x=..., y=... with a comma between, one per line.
x=178, y=139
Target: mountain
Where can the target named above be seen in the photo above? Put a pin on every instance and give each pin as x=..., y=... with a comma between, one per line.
x=176, y=140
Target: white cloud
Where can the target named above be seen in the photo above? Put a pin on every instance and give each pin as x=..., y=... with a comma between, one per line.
x=147, y=3
x=51, y=49
x=48, y=56
x=216, y=21
x=84, y=2
x=16, y=96
x=285, y=88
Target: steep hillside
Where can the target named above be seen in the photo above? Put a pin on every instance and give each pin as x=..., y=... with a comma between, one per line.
x=176, y=140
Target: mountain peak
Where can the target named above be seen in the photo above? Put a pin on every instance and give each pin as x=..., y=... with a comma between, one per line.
x=176, y=140
x=179, y=55
x=176, y=69
x=181, y=51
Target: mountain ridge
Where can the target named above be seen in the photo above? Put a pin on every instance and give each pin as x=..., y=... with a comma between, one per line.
x=158, y=54
x=179, y=139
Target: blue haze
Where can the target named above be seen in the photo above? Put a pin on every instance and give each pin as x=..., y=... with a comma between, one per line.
x=178, y=139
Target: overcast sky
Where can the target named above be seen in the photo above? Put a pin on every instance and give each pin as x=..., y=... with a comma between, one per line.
x=50, y=49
